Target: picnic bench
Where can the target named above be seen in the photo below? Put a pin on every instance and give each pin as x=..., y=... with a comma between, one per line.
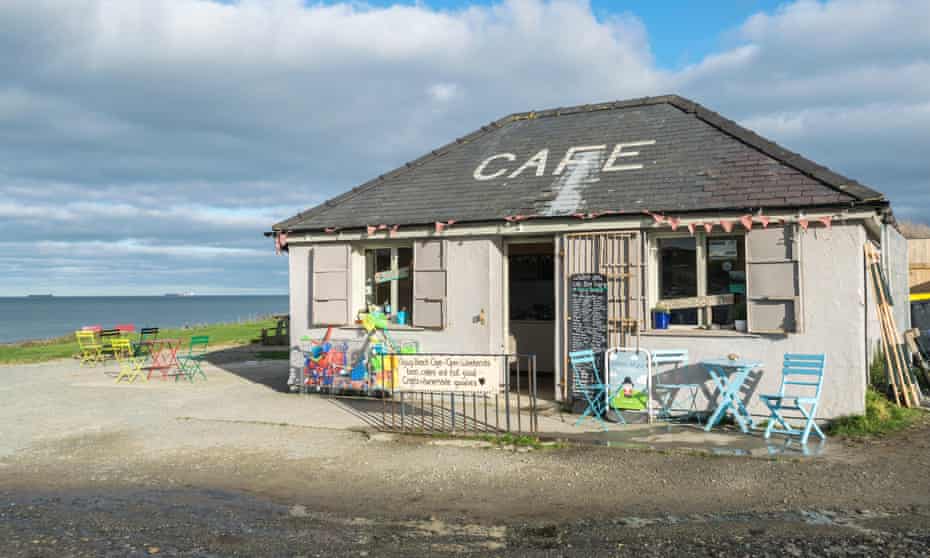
x=280, y=334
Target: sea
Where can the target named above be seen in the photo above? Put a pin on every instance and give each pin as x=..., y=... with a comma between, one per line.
x=23, y=318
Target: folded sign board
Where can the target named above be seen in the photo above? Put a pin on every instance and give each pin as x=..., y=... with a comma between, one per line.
x=449, y=373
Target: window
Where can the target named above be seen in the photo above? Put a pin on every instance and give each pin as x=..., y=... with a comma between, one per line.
x=678, y=276
x=389, y=280
x=702, y=279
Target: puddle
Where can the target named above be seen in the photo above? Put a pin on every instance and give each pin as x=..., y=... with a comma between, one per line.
x=692, y=438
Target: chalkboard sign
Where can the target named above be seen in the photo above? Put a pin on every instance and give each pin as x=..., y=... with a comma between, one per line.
x=587, y=310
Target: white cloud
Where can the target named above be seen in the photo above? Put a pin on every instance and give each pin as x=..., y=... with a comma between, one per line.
x=136, y=247
x=196, y=124
x=442, y=92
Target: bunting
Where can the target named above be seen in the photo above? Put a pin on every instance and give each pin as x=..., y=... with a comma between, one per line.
x=280, y=242
x=659, y=219
x=443, y=225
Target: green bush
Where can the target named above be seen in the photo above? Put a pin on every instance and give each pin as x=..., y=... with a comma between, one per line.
x=881, y=417
x=63, y=347
x=878, y=378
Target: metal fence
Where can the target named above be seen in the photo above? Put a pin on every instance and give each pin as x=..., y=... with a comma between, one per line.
x=510, y=407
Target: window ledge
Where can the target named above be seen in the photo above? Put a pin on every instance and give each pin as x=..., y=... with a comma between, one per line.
x=688, y=332
x=390, y=327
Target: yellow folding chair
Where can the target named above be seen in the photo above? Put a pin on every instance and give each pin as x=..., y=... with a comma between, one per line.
x=91, y=350
x=130, y=367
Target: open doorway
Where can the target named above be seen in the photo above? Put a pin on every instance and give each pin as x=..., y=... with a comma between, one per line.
x=531, y=307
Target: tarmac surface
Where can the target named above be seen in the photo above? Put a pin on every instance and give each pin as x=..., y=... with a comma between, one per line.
x=235, y=466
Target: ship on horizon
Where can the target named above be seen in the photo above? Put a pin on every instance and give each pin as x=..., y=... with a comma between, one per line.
x=190, y=293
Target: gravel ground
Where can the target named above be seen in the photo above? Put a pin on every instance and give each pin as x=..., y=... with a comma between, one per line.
x=161, y=481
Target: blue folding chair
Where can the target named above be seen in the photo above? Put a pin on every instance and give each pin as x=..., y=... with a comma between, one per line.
x=675, y=397
x=586, y=381
x=801, y=380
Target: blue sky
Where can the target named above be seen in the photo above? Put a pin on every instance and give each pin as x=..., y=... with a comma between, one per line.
x=680, y=32
x=147, y=148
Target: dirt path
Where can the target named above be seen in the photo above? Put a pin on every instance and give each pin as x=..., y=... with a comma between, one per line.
x=91, y=469
x=247, y=489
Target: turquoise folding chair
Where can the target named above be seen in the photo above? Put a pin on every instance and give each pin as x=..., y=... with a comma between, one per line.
x=196, y=353
x=675, y=397
x=801, y=381
x=586, y=382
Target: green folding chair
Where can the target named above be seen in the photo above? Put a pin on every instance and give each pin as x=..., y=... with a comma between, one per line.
x=196, y=353
x=145, y=334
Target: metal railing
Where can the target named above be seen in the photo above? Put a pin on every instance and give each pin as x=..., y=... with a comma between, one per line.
x=509, y=407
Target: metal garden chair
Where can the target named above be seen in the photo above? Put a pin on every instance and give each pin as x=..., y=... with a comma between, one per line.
x=130, y=366
x=145, y=334
x=91, y=350
x=675, y=397
x=106, y=340
x=586, y=381
x=196, y=353
x=801, y=382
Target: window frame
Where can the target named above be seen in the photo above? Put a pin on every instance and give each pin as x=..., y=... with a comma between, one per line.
x=393, y=246
x=705, y=317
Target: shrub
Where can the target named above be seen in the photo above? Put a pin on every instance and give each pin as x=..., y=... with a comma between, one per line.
x=881, y=417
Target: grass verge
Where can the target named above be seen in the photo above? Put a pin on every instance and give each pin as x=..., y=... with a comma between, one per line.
x=65, y=346
x=881, y=417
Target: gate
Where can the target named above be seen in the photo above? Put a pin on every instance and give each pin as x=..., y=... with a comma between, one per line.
x=617, y=256
x=509, y=405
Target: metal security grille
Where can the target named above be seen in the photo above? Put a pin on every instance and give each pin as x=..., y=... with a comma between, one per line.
x=618, y=257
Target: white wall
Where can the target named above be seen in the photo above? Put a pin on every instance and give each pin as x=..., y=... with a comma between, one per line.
x=834, y=323
x=474, y=278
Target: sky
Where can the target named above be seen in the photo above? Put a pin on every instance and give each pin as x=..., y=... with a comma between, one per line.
x=146, y=145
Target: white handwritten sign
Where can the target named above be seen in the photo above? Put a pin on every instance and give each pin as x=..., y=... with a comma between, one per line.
x=498, y=165
x=456, y=373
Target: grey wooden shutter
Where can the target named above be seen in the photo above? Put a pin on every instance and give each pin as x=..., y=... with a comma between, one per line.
x=429, y=284
x=330, y=288
x=773, y=277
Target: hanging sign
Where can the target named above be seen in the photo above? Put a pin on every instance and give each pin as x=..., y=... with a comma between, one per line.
x=722, y=249
x=449, y=373
x=392, y=275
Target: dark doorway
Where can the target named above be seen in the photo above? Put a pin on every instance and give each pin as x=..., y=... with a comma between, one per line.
x=531, y=292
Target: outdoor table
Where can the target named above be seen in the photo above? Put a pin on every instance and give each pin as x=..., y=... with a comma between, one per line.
x=163, y=354
x=730, y=386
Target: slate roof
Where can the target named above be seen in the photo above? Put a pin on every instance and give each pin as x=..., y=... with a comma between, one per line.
x=700, y=161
